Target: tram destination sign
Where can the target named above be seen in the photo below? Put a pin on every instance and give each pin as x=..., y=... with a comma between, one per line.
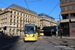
x=29, y=24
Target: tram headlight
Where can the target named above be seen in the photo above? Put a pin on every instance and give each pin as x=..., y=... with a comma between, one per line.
x=33, y=35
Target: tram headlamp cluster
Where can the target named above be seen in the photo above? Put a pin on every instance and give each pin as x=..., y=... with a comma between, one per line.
x=33, y=35
x=25, y=36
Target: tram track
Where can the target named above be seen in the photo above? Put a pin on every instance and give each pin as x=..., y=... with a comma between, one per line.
x=28, y=46
x=50, y=42
x=37, y=43
x=33, y=44
x=24, y=43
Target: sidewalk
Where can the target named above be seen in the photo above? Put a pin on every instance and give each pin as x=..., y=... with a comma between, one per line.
x=71, y=38
x=9, y=37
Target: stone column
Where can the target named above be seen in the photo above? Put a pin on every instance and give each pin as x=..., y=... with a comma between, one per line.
x=70, y=31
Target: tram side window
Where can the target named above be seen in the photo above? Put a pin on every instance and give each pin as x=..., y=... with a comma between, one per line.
x=35, y=28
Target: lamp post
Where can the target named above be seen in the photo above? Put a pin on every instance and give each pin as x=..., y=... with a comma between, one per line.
x=60, y=27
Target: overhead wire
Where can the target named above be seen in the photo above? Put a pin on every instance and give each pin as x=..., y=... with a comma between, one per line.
x=34, y=1
x=54, y=7
x=26, y=4
x=4, y=3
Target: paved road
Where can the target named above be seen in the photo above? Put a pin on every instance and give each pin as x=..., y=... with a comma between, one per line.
x=43, y=43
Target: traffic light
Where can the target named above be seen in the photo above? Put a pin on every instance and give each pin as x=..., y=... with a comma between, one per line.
x=5, y=27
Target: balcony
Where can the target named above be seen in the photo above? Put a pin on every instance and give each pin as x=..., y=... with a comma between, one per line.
x=73, y=20
x=68, y=3
x=69, y=11
x=64, y=20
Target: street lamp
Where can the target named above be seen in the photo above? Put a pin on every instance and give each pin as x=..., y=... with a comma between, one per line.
x=60, y=26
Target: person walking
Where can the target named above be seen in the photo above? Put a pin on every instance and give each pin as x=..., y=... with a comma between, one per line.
x=57, y=33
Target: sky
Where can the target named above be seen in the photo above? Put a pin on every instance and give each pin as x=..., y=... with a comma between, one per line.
x=39, y=6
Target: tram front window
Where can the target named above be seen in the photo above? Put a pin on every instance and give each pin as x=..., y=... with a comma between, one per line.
x=29, y=30
x=41, y=32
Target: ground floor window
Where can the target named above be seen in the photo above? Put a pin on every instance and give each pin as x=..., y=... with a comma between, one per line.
x=10, y=32
x=14, y=31
x=73, y=24
x=20, y=32
x=17, y=31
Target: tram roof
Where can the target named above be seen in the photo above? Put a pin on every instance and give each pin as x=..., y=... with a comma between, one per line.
x=31, y=23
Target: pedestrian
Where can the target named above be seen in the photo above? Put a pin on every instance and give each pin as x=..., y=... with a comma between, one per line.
x=57, y=33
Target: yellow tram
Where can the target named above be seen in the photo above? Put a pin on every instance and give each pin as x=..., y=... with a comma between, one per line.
x=41, y=32
x=30, y=32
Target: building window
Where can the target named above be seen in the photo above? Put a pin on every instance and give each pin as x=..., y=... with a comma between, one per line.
x=61, y=1
x=70, y=0
x=17, y=13
x=14, y=12
x=62, y=8
x=23, y=22
x=65, y=8
x=11, y=16
x=17, y=17
x=10, y=31
x=65, y=1
x=26, y=19
x=26, y=15
x=10, y=20
x=14, y=16
x=20, y=31
x=17, y=25
x=21, y=14
x=73, y=25
x=11, y=11
x=14, y=20
x=20, y=25
x=73, y=0
x=74, y=6
x=67, y=17
x=20, y=22
x=14, y=31
x=17, y=31
x=17, y=21
x=71, y=16
x=21, y=18
x=10, y=23
x=70, y=7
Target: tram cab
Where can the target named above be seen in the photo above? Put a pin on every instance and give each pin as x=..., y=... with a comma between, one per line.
x=41, y=32
x=30, y=32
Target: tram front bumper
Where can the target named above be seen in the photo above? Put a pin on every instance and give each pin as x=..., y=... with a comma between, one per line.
x=30, y=39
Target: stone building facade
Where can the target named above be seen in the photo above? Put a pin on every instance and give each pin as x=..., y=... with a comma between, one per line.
x=46, y=21
x=15, y=17
x=68, y=15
